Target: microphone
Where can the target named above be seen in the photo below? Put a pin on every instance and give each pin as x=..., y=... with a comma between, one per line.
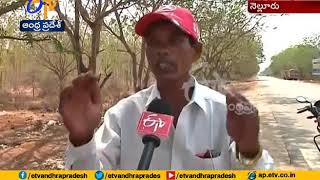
x=155, y=123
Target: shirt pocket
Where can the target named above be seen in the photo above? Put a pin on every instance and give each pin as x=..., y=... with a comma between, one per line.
x=219, y=162
x=201, y=163
x=222, y=162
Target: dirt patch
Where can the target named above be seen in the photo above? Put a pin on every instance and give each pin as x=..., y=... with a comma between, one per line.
x=31, y=140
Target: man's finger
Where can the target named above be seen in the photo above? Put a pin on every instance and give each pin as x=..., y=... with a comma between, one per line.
x=232, y=98
x=95, y=92
x=77, y=81
x=93, y=85
x=65, y=95
x=84, y=80
x=239, y=105
x=86, y=89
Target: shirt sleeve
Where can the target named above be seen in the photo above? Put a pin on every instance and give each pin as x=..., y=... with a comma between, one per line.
x=103, y=150
x=264, y=163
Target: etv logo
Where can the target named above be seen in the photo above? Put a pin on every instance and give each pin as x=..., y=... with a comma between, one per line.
x=156, y=124
x=155, y=121
x=35, y=6
x=51, y=4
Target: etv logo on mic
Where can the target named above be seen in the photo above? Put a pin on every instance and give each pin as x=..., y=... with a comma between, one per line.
x=155, y=124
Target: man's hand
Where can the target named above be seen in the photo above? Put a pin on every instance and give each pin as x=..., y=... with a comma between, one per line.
x=243, y=124
x=80, y=107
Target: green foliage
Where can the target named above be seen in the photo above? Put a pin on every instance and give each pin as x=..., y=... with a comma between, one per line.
x=230, y=38
x=249, y=55
x=297, y=57
x=313, y=40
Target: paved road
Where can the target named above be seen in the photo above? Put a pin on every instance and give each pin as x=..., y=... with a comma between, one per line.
x=287, y=135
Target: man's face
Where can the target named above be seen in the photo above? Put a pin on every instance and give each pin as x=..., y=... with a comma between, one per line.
x=169, y=51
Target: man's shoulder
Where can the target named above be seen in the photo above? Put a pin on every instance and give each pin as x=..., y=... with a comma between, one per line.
x=140, y=95
x=137, y=99
x=212, y=95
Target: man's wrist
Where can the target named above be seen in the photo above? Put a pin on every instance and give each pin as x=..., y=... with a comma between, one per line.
x=249, y=158
x=249, y=151
x=250, y=154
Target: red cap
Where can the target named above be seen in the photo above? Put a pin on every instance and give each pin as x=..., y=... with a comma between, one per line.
x=179, y=16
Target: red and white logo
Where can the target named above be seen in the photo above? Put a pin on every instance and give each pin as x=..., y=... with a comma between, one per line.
x=171, y=175
x=153, y=121
x=156, y=124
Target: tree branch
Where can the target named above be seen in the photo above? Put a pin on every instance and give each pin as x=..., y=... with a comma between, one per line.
x=85, y=53
x=47, y=38
x=68, y=26
x=84, y=14
x=13, y=6
x=105, y=5
x=115, y=8
x=121, y=31
x=63, y=17
x=105, y=79
x=111, y=31
x=84, y=35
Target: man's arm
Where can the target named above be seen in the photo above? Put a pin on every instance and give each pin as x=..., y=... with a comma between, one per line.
x=265, y=161
x=102, y=151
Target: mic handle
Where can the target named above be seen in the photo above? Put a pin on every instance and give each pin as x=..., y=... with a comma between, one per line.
x=150, y=143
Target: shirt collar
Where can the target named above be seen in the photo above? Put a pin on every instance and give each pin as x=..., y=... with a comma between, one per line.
x=154, y=94
x=198, y=95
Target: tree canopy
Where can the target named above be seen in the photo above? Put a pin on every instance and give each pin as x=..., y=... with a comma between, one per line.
x=297, y=57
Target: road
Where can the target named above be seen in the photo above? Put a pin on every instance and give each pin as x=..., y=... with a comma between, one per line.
x=288, y=136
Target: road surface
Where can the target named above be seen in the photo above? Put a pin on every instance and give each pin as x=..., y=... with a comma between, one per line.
x=288, y=136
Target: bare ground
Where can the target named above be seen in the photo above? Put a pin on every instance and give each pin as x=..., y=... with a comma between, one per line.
x=31, y=140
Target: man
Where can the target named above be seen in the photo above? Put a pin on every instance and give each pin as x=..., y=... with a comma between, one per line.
x=203, y=124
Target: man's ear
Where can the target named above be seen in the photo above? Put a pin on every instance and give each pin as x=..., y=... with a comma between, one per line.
x=198, y=51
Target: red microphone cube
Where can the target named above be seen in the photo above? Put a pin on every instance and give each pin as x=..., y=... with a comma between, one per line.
x=152, y=123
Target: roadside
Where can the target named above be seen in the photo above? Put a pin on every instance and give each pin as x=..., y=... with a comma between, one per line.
x=288, y=136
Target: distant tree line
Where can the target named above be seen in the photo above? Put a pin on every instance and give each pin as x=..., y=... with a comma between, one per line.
x=297, y=57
